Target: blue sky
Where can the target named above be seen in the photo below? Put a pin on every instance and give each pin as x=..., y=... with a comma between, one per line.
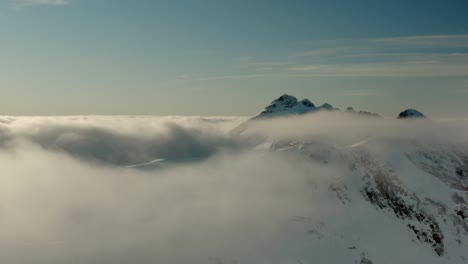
x=212, y=57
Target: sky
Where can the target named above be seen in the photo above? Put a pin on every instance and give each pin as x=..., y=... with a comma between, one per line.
x=211, y=57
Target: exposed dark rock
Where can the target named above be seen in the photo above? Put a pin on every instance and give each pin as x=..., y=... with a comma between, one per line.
x=458, y=198
x=365, y=259
x=462, y=211
x=340, y=192
x=383, y=188
x=307, y=103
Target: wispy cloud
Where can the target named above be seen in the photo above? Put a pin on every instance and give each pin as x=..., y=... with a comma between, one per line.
x=230, y=77
x=263, y=64
x=321, y=51
x=407, y=45
x=454, y=40
x=28, y=3
x=390, y=69
x=407, y=56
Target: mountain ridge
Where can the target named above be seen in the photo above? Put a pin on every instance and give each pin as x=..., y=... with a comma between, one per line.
x=289, y=105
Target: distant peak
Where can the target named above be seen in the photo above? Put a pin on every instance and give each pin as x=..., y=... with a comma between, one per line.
x=285, y=99
x=351, y=110
x=287, y=104
x=411, y=113
x=327, y=106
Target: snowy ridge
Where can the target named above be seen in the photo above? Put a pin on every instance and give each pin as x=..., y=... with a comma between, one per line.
x=289, y=105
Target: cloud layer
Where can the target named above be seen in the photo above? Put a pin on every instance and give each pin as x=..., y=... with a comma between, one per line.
x=68, y=197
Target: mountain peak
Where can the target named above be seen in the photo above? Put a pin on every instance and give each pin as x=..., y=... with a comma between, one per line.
x=411, y=113
x=327, y=106
x=285, y=100
x=362, y=113
x=287, y=104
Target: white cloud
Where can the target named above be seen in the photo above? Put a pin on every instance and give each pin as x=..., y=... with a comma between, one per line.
x=61, y=208
x=238, y=204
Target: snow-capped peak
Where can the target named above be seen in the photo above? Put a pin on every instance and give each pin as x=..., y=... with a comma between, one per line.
x=411, y=113
x=289, y=105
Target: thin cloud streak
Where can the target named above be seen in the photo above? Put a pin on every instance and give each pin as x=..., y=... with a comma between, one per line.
x=408, y=56
x=230, y=77
x=454, y=40
x=27, y=3
x=406, y=69
x=394, y=45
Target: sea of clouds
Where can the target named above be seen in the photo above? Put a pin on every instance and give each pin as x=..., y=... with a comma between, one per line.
x=74, y=190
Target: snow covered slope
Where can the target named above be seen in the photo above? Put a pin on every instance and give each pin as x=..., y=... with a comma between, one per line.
x=405, y=207
x=404, y=197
